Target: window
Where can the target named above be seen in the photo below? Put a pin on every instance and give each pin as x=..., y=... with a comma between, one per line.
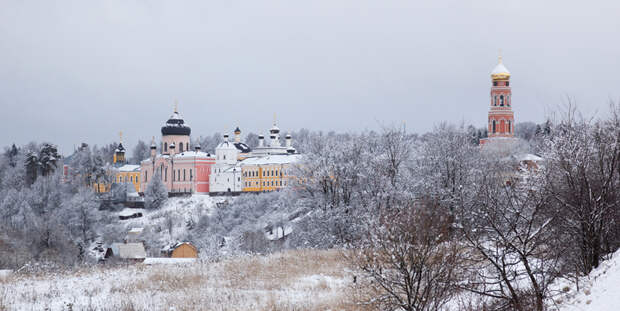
x=183, y=174
x=508, y=100
x=191, y=176
x=507, y=83
x=501, y=100
x=131, y=178
x=174, y=175
x=494, y=83
x=146, y=176
x=165, y=147
x=120, y=179
x=166, y=174
x=180, y=147
x=495, y=101
x=509, y=127
x=493, y=126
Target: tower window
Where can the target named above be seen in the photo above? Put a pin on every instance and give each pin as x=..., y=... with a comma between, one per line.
x=494, y=83
x=501, y=100
x=493, y=125
x=508, y=100
x=165, y=147
x=507, y=83
x=509, y=127
x=495, y=101
x=180, y=147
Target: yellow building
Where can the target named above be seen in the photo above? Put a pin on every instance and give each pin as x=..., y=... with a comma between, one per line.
x=269, y=173
x=120, y=171
x=128, y=173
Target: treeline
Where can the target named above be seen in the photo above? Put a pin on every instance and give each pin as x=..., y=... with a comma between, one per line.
x=436, y=219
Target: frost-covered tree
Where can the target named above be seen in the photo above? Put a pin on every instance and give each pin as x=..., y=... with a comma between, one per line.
x=41, y=161
x=582, y=164
x=156, y=193
x=83, y=215
x=140, y=152
x=444, y=164
x=209, y=143
x=513, y=254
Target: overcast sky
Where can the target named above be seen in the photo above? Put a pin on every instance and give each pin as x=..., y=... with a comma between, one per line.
x=73, y=71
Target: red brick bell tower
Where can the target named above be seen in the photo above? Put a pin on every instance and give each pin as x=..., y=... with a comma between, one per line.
x=501, y=119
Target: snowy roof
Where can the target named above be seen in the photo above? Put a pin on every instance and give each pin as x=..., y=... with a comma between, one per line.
x=136, y=230
x=168, y=261
x=129, y=168
x=192, y=154
x=500, y=71
x=225, y=145
x=129, y=250
x=530, y=157
x=272, y=159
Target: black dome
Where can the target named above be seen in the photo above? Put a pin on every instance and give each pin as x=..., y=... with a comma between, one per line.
x=175, y=126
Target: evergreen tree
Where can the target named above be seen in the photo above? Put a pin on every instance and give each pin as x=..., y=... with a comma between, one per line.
x=156, y=193
x=11, y=155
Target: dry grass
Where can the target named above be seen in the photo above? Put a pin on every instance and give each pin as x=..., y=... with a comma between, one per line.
x=291, y=280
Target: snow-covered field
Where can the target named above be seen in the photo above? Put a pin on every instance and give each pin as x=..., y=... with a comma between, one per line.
x=293, y=280
x=599, y=291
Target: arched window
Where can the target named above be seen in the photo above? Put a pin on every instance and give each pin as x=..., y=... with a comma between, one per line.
x=493, y=125
x=495, y=101
x=165, y=147
x=501, y=100
x=508, y=100
x=509, y=127
x=180, y=147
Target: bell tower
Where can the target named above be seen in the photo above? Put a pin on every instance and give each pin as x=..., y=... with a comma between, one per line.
x=501, y=117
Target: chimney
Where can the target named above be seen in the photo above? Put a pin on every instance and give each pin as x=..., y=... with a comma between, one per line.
x=273, y=142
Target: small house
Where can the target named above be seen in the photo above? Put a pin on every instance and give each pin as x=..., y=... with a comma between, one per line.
x=181, y=250
x=127, y=251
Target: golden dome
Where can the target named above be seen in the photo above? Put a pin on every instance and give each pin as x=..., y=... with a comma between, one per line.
x=500, y=72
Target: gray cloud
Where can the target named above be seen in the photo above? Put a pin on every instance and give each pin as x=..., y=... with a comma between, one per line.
x=83, y=70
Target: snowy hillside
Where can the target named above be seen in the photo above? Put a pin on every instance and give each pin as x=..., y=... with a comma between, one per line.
x=599, y=291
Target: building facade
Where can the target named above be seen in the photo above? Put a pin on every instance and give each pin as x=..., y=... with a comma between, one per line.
x=226, y=174
x=182, y=170
x=500, y=117
x=268, y=173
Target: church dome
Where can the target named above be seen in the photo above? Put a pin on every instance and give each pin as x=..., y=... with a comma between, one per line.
x=176, y=126
x=500, y=72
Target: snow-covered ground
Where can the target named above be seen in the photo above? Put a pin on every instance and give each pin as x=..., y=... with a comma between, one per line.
x=300, y=280
x=599, y=291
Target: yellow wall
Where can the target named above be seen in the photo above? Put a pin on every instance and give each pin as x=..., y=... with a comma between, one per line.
x=268, y=177
x=131, y=177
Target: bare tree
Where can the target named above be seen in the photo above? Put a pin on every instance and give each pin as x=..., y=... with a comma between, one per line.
x=513, y=252
x=408, y=259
